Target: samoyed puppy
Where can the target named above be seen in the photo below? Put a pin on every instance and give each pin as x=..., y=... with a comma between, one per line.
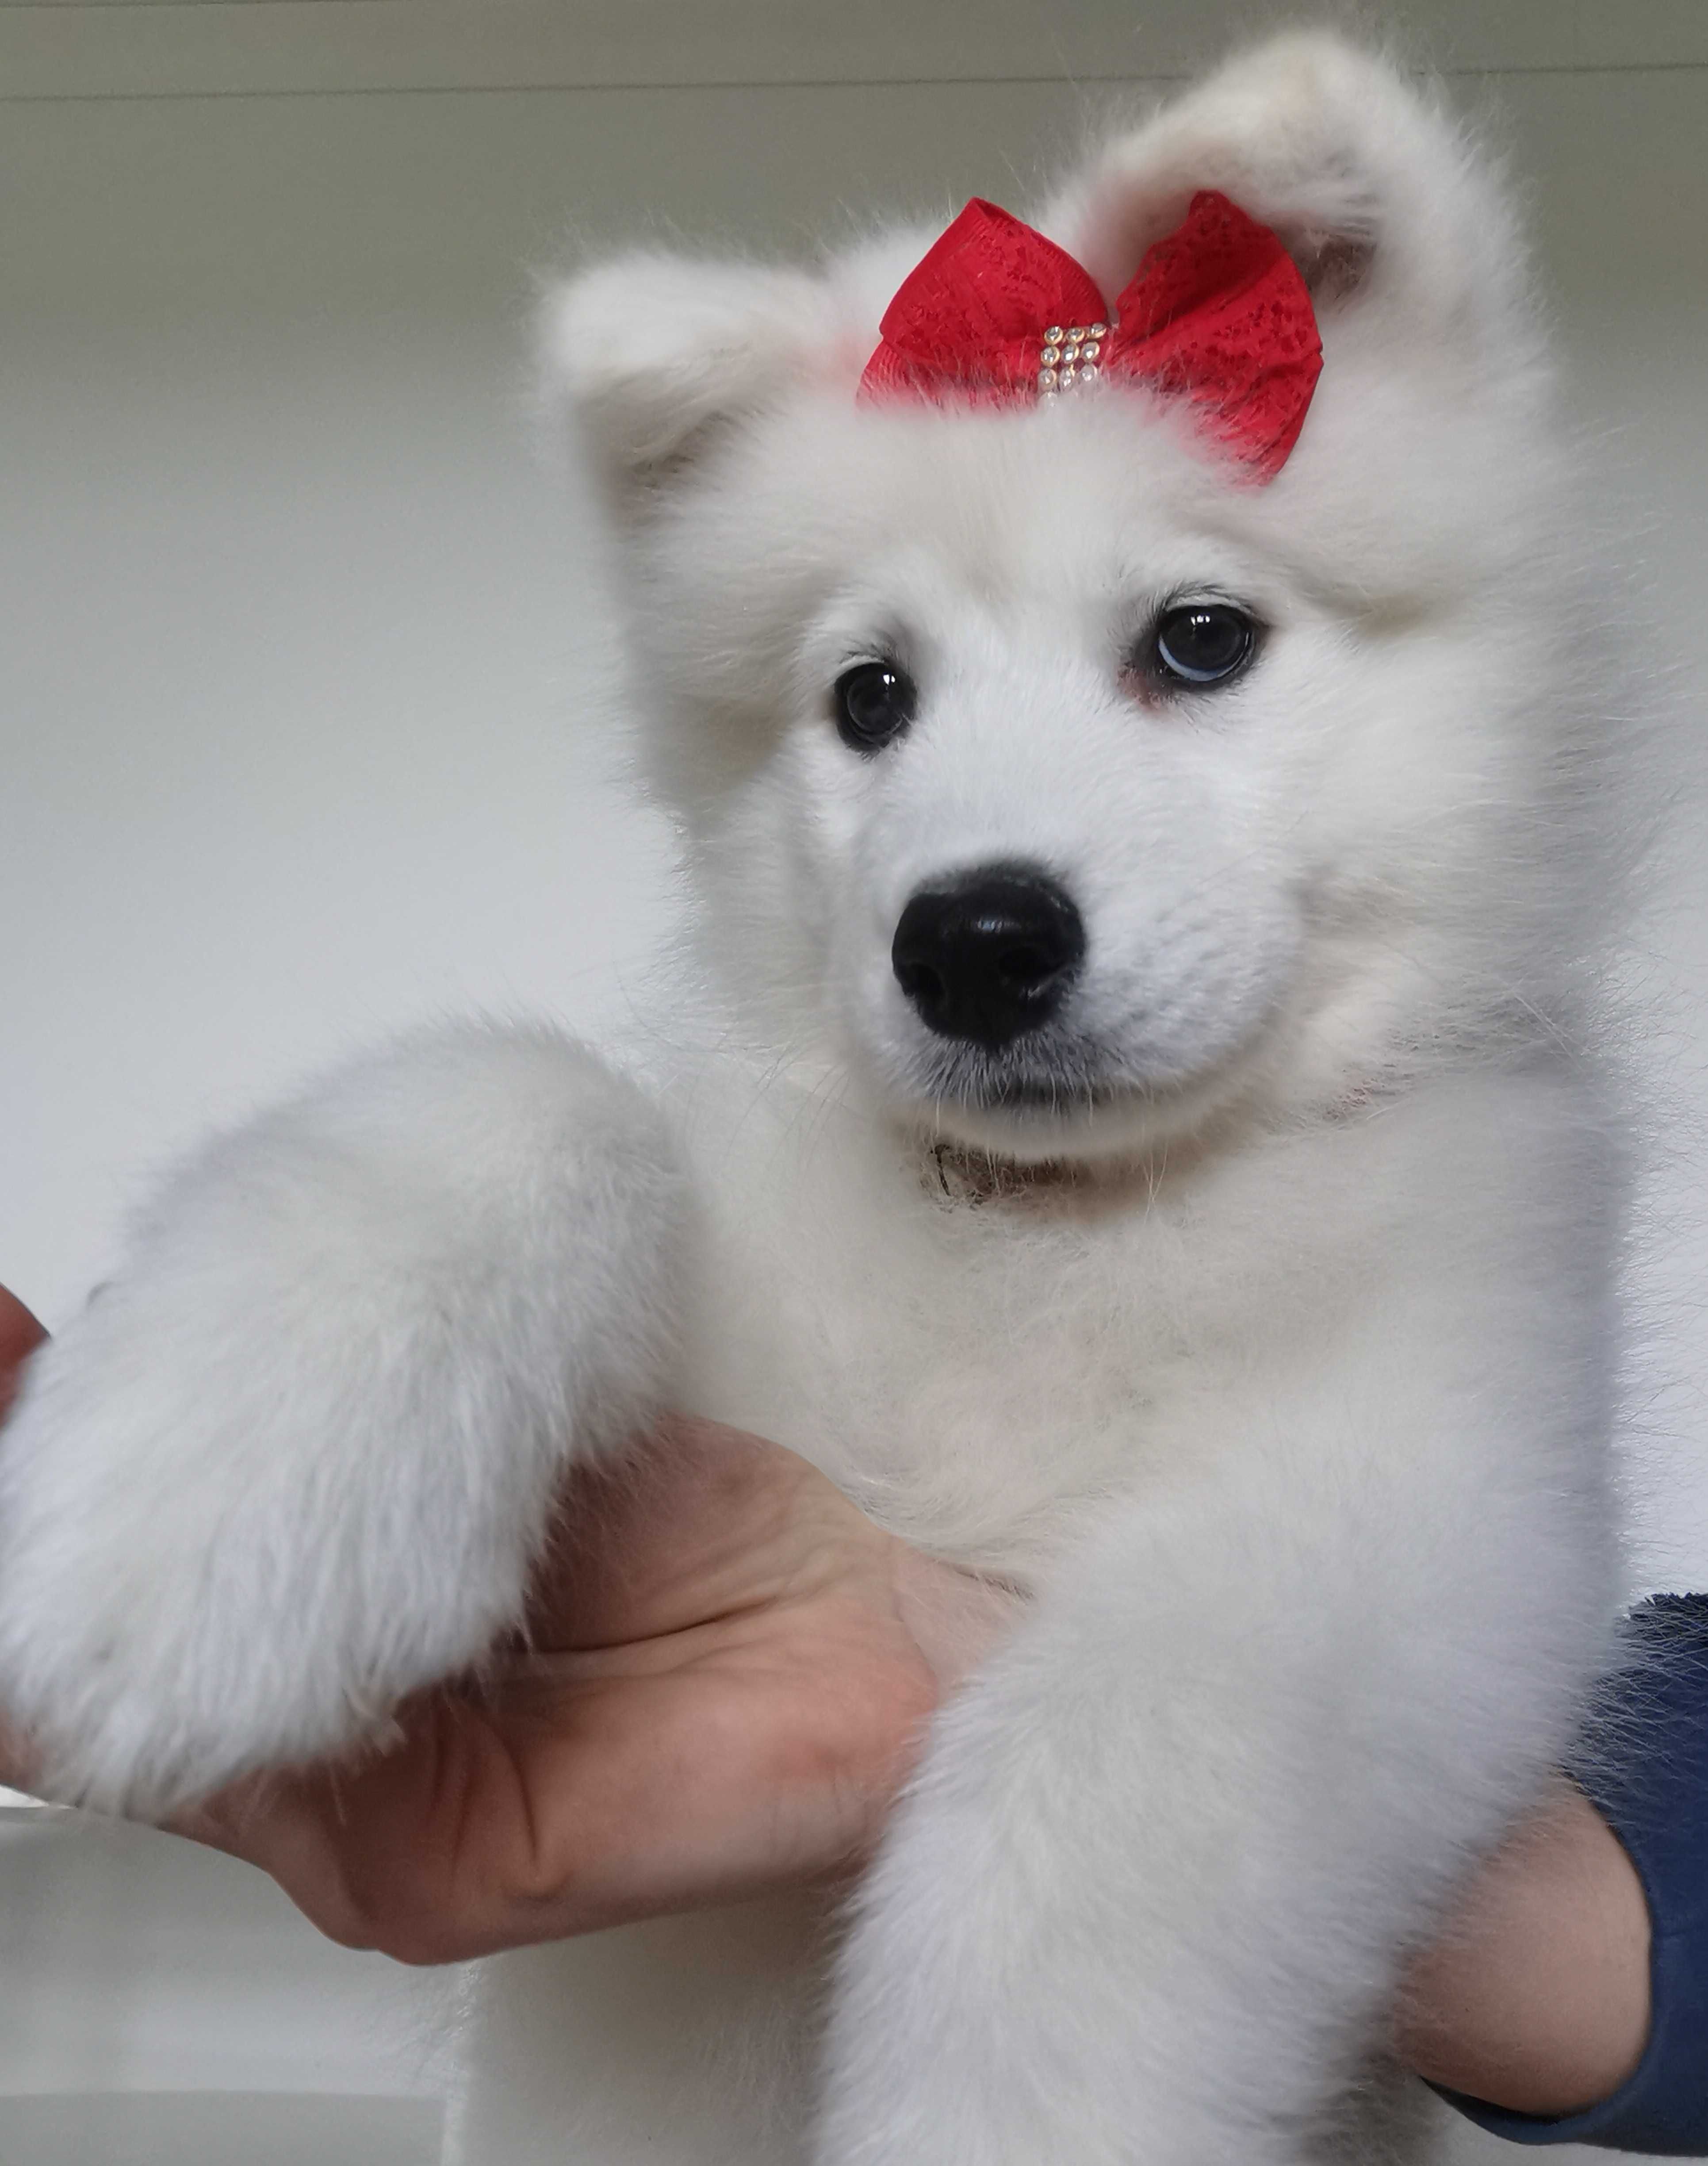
x=1132, y=707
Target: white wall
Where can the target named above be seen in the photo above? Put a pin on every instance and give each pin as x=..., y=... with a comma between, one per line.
x=300, y=731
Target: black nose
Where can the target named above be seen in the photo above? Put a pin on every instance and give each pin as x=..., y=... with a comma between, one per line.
x=990, y=955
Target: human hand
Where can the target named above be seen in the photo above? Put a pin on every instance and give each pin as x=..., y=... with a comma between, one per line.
x=20, y=1334
x=1537, y=1995
x=727, y=1672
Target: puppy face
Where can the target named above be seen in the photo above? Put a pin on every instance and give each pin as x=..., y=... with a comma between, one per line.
x=1044, y=775
x=1019, y=833
x=1039, y=779
x=1050, y=859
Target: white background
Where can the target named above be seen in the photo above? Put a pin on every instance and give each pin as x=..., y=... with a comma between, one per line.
x=304, y=658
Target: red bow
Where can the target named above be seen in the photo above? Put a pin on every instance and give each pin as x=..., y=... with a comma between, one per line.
x=1217, y=312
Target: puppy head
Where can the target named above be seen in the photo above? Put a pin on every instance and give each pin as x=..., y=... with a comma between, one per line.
x=1039, y=765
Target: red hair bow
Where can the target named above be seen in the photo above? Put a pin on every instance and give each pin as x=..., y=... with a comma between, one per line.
x=1216, y=313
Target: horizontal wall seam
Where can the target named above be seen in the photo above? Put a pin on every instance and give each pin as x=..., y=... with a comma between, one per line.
x=737, y=83
x=66, y=49
x=583, y=86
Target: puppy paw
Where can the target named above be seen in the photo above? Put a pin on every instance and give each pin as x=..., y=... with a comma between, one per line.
x=294, y=1463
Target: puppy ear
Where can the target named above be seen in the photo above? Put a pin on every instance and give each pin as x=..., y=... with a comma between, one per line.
x=1373, y=190
x=652, y=356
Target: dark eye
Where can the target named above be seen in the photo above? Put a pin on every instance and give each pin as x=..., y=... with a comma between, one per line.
x=874, y=702
x=1202, y=643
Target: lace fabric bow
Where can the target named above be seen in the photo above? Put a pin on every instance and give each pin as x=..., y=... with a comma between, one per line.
x=1217, y=314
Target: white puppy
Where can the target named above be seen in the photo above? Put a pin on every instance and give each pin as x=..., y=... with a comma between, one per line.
x=1126, y=1115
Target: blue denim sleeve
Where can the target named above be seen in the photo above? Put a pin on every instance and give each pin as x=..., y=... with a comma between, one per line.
x=1643, y=1765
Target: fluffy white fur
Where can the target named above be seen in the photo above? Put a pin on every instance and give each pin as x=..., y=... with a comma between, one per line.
x=211, y=1561
x=1266, y=1335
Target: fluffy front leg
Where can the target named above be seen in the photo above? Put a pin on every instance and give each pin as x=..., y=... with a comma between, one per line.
x=1150, y=1897
x=295, y=1460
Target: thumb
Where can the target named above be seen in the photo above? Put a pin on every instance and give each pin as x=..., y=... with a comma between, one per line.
x=20, y=1334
